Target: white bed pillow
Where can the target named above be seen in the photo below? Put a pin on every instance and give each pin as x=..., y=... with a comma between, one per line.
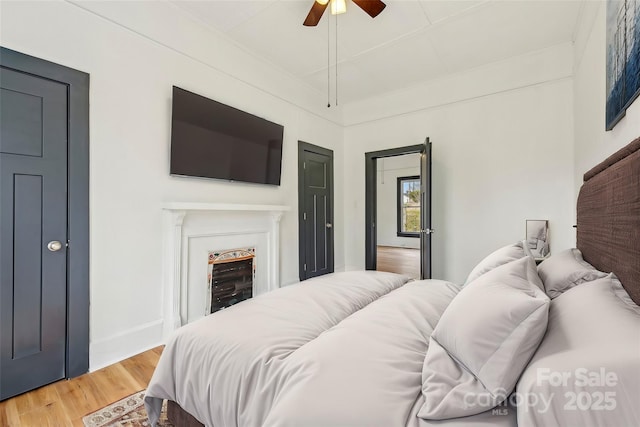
x=564, y=270
x=588, y=361
x=483, y=341
x=497, y=258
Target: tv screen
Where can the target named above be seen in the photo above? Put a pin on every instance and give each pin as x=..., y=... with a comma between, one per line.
x=213, y=140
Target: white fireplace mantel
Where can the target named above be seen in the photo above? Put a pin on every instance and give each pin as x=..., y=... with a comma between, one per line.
x=188, y=206
x=213, y=219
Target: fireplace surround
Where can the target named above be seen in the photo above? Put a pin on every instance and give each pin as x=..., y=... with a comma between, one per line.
x=192, y=230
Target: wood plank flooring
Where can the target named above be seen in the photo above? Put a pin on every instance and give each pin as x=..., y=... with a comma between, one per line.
x=399, y=260
x=65, y=402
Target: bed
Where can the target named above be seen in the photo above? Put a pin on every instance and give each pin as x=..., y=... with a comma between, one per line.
x=377, y=349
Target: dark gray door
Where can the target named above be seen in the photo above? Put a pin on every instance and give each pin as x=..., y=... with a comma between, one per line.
x=425, y=211
x=371, y=203
x=315, y=210
x=33, y=226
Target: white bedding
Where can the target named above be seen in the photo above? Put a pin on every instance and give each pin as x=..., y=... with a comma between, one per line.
x=341, y=350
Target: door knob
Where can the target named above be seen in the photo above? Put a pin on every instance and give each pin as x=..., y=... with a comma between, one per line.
x=54, y=246
x=329, y=225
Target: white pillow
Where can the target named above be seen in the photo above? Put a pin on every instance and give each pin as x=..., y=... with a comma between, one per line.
x=621, y=292
x=593, y=334
x=483, y=341
x=499, y=257
x=564, y=270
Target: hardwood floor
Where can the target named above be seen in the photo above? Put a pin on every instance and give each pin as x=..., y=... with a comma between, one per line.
x=399, y=260
x=65, y=402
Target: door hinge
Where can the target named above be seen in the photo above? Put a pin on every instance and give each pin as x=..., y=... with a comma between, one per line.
x=304, y=216
x=304, y=165
x=305, y=267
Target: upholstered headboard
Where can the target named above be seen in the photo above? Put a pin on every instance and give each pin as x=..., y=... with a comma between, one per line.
x=608, y=217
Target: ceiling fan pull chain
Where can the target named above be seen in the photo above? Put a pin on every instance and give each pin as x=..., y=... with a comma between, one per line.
x=336, y=60
x=328, y=63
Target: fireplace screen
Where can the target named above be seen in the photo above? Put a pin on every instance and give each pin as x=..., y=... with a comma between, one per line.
x=231, y=275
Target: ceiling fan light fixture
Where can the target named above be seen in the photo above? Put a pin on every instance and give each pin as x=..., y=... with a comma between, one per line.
x=338, y=7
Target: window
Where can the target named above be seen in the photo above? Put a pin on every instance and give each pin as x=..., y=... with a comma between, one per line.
x=409, y=206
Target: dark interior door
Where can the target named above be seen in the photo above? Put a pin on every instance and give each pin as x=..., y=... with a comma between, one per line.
x=425, y=211
x=315, y=210
x=371, y=203
x=33, y=226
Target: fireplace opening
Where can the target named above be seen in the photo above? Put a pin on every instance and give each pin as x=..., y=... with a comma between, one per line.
x=231, y=278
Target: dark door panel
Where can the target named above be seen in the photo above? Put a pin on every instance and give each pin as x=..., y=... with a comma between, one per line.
x=316, y=210
x=33, y=212
x=318, y=235
x=425, y=211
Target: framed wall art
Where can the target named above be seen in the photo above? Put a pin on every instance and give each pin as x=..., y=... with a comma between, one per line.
x=623, y=58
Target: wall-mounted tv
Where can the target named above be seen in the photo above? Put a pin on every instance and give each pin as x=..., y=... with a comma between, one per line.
x=214, y=140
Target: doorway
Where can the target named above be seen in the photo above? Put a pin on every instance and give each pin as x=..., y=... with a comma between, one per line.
x=398, y=214
x=315, y=210
x=44, y=220
x=398, y=210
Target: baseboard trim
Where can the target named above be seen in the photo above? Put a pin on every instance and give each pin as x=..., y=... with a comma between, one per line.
x=113, y=349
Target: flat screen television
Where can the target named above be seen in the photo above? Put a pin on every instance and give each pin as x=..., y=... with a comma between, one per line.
x=214, y=140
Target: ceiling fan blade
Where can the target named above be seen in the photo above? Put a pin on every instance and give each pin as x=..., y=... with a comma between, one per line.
x=372, y=7
x=315, y=14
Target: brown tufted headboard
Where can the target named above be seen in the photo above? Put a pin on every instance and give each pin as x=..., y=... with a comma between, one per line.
x=608, y=217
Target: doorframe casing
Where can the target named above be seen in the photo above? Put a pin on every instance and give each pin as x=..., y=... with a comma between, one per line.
x=302, y=147
x=371, y=197
x=77, y=82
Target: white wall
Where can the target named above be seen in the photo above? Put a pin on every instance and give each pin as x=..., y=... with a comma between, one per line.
x=502, y=153
x=132, y=70
x=592, y=143
x=389, y=169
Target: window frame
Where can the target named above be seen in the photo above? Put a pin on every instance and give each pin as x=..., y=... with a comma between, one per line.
x=399, y=231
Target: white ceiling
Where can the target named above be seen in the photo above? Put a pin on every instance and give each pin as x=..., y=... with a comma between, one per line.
x=411, y=41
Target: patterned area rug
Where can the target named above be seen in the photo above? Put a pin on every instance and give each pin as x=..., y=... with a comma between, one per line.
x=127, y=412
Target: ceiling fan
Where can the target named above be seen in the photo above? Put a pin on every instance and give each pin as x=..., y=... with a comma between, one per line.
x=372, y=7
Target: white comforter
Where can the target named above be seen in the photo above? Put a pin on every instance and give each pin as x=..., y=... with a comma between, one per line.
x=341, y=350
